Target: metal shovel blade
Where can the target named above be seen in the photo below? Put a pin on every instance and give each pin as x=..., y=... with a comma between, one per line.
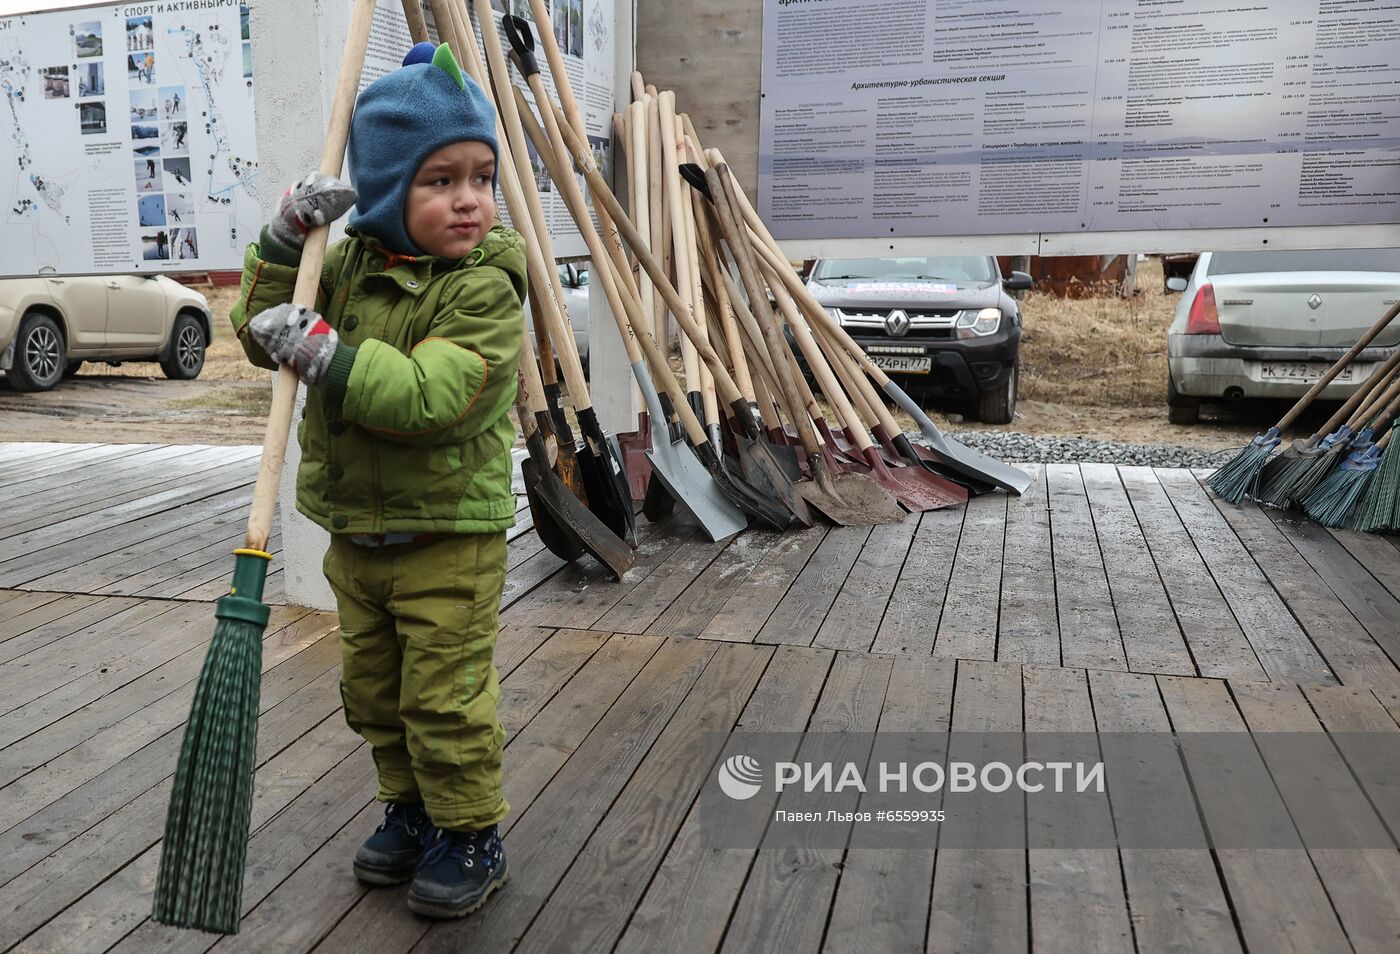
x=564, y=545
x=608, y=495
x=916, y=488
x=568, y=515
x=960, y=457
x=681, y=475
x=766, y=475
x=849, y=499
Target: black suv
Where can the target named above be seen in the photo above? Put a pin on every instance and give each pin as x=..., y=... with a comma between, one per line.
x=943, y=327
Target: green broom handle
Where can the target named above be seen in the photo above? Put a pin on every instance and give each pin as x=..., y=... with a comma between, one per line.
x=284, y=391
x=1336, y=369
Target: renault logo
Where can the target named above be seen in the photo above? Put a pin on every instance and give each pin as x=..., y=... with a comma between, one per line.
x=1315, y=302
x=897, y=324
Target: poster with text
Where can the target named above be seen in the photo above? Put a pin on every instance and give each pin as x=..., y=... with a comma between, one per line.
x=969, y=117
x=130, y=141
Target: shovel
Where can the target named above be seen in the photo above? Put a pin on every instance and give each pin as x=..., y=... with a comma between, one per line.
x=849, y=499
x=566, y=462
x=951, y=454
x=605, y=481
x=713, y=496
x=762, y=473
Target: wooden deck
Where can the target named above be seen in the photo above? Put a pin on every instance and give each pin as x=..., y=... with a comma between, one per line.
x=1105, y=599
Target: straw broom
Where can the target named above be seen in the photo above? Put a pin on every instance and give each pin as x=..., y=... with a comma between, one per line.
x=200, y=884
x=1379, y=511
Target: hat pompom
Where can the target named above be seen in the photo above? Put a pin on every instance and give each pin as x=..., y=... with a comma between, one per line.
x=421, y=53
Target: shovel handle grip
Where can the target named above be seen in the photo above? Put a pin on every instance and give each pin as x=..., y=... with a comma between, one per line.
x=284, y=391
x=522, y=44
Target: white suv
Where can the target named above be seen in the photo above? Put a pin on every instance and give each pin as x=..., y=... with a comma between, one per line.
x=50, y=326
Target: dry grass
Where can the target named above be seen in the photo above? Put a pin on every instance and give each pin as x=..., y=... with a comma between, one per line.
x=1104, y=350
x=1098, y=351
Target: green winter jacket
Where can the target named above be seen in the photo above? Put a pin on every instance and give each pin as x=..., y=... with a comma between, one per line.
x=409, y=430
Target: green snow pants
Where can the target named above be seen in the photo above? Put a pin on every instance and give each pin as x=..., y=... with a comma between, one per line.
x=418, y=630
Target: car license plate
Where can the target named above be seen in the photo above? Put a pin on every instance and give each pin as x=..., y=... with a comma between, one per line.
x=1303, y=372
x=902, y=364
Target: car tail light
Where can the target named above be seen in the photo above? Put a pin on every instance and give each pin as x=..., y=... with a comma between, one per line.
x=1204, y=319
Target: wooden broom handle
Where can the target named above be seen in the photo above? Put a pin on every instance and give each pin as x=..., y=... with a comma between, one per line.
x=1336, y=369
x=313, y=254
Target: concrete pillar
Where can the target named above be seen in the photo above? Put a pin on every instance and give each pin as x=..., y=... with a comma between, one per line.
x=615, y=397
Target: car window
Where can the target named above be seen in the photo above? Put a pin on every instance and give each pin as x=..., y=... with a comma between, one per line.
x=1307, y=260
x=957, y=268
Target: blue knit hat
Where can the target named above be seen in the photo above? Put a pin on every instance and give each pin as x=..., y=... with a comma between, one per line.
x=400, y=120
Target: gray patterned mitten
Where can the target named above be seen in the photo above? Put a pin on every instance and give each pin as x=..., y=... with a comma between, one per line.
x=317, y=199
x=298, y=337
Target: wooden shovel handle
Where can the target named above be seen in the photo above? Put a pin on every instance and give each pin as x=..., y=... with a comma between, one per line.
x=1362, y=394
x=313, y=255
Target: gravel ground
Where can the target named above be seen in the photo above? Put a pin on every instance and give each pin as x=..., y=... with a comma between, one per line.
x=1015, y=447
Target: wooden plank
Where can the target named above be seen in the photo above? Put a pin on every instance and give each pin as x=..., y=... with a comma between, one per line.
x=63, y=717
x=77, y=543
x=583, y=591
x=178, y=575
x=911, y=616
x=1351, y=715
x=124, y=460
x=522, y=579
x=691, y=612
x=521, y=547
x=1326, y=804
x=102, y=572
x=967, y=628
x=590, y=905
x=16, y=602
x=314, y=741
x=785, y=886
x=21, y=622
x=283, y=845
x=745, y=613
x=1279, y=642
x=70, y=638
x=640, y=607
x=138, y=628
x=882, y=899
x=1175, y=894
x=1076, y=891
x=1218, y=644
x=800, y=612
x=1351, y=653
x=854, y=618
x=85, y=502
x=1278, y=900
x=687, y=905
x=1089, y=635
x=1362, y=594
x=1028, y=629
x=18, y=451
x=1151, y=637
x=99, y=780
x=539, y=846
x=979, y=894
x=1377, y=554
x=61, y=458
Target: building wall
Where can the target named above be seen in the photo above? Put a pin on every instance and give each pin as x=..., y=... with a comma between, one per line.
x=710, y=55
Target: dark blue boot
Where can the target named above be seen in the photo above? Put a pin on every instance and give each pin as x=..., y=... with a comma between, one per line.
x=393, y=852
x=458, y=873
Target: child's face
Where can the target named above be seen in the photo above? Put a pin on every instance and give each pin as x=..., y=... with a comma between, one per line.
x=450, y=204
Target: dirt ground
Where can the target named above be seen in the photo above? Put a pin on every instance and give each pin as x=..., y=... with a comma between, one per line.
x=1092, y=367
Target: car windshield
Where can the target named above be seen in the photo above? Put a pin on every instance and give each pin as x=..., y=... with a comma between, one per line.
x=962, y=269
x=1307, y=260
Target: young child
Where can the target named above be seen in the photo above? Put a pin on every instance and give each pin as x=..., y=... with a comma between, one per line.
x=410, y=359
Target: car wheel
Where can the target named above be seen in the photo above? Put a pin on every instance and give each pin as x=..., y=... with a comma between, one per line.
x=71, y=370
x=1181, y=409
x=38, y=355
x=998, y=406
x=184, y=357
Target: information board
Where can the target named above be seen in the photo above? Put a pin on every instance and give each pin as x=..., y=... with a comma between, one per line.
x=885, y=118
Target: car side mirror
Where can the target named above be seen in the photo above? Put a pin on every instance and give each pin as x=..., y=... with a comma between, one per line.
x=1019, y=281
x=1176, y=284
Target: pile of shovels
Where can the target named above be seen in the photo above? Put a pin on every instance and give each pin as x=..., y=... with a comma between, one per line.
x=1341, y=475
x=746, y=431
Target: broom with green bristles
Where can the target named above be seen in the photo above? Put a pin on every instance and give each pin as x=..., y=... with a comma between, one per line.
x=1379, y=511
x=1337, y=499
x=1291, y=476
x=1240, y=477
x=200, y=884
